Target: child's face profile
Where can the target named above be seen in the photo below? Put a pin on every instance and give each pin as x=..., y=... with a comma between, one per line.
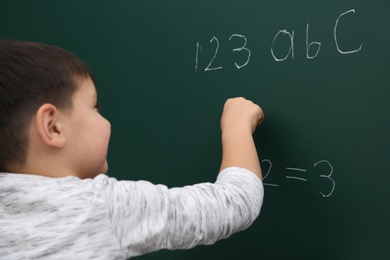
x=89, y=133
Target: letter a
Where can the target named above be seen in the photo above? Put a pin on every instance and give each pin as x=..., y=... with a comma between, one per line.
x=291, y=50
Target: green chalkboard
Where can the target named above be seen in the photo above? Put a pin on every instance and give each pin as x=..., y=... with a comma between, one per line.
x=319, y=69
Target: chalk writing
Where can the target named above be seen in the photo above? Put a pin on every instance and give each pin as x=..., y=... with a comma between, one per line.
x=290, y=52
x=301, y=174
x=215, y=54
x=329, y=177
x=295, y=177
x=243, y=48
x=310, y=45
x=335, y=35
x=268, y=172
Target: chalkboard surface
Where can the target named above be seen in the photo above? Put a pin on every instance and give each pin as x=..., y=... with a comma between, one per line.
x=319, y=69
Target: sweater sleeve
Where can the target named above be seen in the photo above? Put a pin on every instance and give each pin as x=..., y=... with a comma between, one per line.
x=147, y=217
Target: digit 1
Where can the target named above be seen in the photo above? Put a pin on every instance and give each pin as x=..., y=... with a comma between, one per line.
x=198, y=47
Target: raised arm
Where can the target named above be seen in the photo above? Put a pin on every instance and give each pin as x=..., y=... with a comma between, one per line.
x=239, y=120
x=149, y=217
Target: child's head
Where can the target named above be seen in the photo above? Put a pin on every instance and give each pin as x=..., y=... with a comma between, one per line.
x=31, y=75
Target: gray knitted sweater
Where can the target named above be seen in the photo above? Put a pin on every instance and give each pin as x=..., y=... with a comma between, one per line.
x=103, y=218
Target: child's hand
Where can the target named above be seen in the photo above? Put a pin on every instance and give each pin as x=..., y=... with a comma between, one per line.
x=239, y=120
x=241, y=114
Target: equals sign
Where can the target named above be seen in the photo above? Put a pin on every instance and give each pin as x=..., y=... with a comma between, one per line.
x=295, y=177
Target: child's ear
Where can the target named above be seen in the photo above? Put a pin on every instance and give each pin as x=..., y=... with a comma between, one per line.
x=49, y=126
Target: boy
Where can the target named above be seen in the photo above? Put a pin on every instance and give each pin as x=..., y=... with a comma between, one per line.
x=55, y=200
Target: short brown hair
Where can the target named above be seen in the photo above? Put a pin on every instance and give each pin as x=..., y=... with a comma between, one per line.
x=32, y=74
